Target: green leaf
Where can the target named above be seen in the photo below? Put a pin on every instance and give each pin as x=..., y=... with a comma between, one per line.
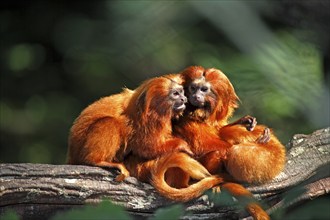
x=317, y=209
x=9, y=215
x=172, y=212
x=293, y=194
x=221, y=199
x=104, y=210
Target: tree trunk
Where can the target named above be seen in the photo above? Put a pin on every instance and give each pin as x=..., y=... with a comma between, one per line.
x=37, y=191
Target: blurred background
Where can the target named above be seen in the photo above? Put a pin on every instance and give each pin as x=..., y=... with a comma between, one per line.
x=59, y=56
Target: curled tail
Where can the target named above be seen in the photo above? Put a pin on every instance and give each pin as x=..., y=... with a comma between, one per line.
x=188, y=165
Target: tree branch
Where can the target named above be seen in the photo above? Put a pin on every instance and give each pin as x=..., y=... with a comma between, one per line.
x=37, y=191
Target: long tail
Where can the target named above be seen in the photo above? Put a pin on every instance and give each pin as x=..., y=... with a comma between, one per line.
x=188, y=165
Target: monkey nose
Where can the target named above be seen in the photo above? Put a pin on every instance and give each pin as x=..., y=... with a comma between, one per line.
x=184, y=99
x=198, y=98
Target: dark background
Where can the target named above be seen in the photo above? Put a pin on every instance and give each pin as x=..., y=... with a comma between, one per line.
x=56, y=57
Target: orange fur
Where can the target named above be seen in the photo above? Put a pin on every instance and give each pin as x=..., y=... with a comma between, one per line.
x=151, y=112
x=152, y=137
x=245, y=196
x=98, y=136
x=250, y=161
x=250, y=156
x=136, y=122
x=206, y=129
x=139, y=124
x=181, y=167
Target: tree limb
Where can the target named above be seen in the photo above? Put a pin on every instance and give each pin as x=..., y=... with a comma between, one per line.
x=37, y=191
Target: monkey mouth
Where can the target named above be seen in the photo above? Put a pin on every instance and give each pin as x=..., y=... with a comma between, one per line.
x=197, y=104
x=179, y=107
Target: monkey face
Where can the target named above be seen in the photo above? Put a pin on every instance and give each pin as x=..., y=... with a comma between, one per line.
x=198, y=92
x=160, y=96
x=210, y=94
x=178, y=98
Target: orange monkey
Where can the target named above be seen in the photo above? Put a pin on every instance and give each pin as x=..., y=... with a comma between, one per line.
x=248, y=152
x=99, y=135
x=136, y=122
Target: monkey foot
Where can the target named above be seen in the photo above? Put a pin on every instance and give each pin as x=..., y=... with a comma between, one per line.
x=265, y=137
x=120, y=177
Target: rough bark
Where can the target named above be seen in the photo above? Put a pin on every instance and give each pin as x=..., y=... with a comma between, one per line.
x=37, y=191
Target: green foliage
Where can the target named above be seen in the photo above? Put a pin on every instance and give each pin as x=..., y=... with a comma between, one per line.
x=317, y=209
x=293, y=194
x=172, y=212
x=60, y=57
x=9, y=215
x=104, y=210
x=289, y=198
x=221, y=199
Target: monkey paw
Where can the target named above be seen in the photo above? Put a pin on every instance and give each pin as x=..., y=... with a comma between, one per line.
x=265, y=137
x=120, y=177
x=123, y=174
x=248, y=121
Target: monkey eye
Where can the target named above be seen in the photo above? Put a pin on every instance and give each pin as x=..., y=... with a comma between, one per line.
x=192, y=88
x=204, y=88
x=175, y=93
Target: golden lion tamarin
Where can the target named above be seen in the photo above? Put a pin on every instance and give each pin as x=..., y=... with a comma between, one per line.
x=136, y=122
x=99, y=135
x=251, y=153
x=248, y=152
x=144, y=129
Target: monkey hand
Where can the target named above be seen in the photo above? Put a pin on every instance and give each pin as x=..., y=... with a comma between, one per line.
x=265, y=137
x=248, y=121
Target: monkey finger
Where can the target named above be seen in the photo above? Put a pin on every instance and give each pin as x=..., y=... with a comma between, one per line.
x=265, y=137
x=249, y=121
x=252, y=123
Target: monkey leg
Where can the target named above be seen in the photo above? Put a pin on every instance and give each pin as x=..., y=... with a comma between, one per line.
x=238, y=133
x=139, y=167
x=246, y=197
x=213, y=161
x=102, y=144
x=123, y=171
